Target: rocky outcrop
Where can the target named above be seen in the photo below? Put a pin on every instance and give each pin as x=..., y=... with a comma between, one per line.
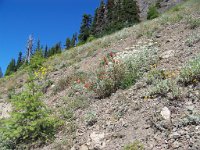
x=164, y=5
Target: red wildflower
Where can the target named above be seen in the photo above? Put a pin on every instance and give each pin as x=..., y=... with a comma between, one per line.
x=78, y=81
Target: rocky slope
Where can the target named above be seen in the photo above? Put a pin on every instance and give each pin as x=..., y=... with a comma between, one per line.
x=157, y=122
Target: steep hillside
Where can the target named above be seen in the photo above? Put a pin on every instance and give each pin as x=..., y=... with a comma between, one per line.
x=138, y=88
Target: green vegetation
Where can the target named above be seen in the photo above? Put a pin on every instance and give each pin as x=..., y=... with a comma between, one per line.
x=193, y=22
x=190, y=73
x=163, y=87
x=152, y=13
x=30, y=121
x=123, y=70
x=134, y=146
x=193, y=39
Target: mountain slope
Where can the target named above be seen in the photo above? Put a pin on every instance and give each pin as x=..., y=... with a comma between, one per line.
x=165, y=120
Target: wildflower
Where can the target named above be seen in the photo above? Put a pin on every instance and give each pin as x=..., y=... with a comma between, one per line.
x=78, y=81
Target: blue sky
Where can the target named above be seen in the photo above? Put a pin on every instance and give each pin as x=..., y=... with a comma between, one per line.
x=49, y=20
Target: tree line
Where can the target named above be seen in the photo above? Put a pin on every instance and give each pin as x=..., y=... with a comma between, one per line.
x=46, y=52
x=110, y=16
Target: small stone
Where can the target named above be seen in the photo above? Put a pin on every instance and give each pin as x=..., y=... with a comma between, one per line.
x=174, y=135
x=176, y=144
x=83, y=147
x=158, y=36
x=166, y=114
x=190, y=108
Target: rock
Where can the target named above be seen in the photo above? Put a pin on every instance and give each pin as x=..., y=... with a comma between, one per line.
x=84, y=147
x=167, y=54
x=174, y=135
x=190, y=108
x=176, y=145
x=97, y=140
x=158, y=36
x=166, y=114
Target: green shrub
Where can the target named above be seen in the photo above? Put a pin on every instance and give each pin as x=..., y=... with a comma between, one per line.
x=36, y=60
x=152, y=13
x=154, y=75
x=122, y=71
x=90, y=118
x=193, y=23
x=193, y=39
x=30, y=121
x=190, y=73
x=134, y=146
x=163, y=87
x=63, y=83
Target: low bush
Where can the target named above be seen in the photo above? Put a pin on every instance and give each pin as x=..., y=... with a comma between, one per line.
x=163, y=87
x=121, y=70
x=190, y=73
x=63, y=83
x=193, y=23
x=134, y=146
x=152, y=13
x=193, y=39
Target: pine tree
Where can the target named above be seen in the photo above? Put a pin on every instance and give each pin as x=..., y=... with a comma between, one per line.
x=130, y=12
x=110, y=9
x=1, y=73
x=73, y=40
x=100, y=18
x=38, y=45
x=46, y=52
x=94, y=23
x=19, y=60
x=85, y=28
x=58, y=48
x=68, y=43
x=11, y=68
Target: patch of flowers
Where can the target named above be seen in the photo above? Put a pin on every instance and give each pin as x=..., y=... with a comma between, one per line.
x=121, y=70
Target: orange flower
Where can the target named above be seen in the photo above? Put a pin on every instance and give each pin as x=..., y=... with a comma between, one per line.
x=78, y=81
x=105, y=61
x=87, y=85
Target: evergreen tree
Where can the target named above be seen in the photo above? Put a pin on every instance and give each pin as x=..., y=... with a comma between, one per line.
x=110, y=8
x=100, y=18
x=130, y=12
x=58, y=48
x=94, y=23
x=1, y=73
x=46, y=52
x=73, y=40
x=19, y=60
x=68, y=43
x=38, y=45
x=85, y=28
x=11, y=68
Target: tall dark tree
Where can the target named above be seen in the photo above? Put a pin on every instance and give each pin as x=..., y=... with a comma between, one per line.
x=130, y=12
x=73, y=40
x=46, y=52
x=1, y=73
x=68, y=43
x=85, y=28
x=38, y=47
x=94, y=23
x=110, y=10
x=101, y=17
x=11, y=68
x=19, y=60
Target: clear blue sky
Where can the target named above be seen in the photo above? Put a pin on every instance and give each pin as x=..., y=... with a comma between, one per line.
x=49, y=20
